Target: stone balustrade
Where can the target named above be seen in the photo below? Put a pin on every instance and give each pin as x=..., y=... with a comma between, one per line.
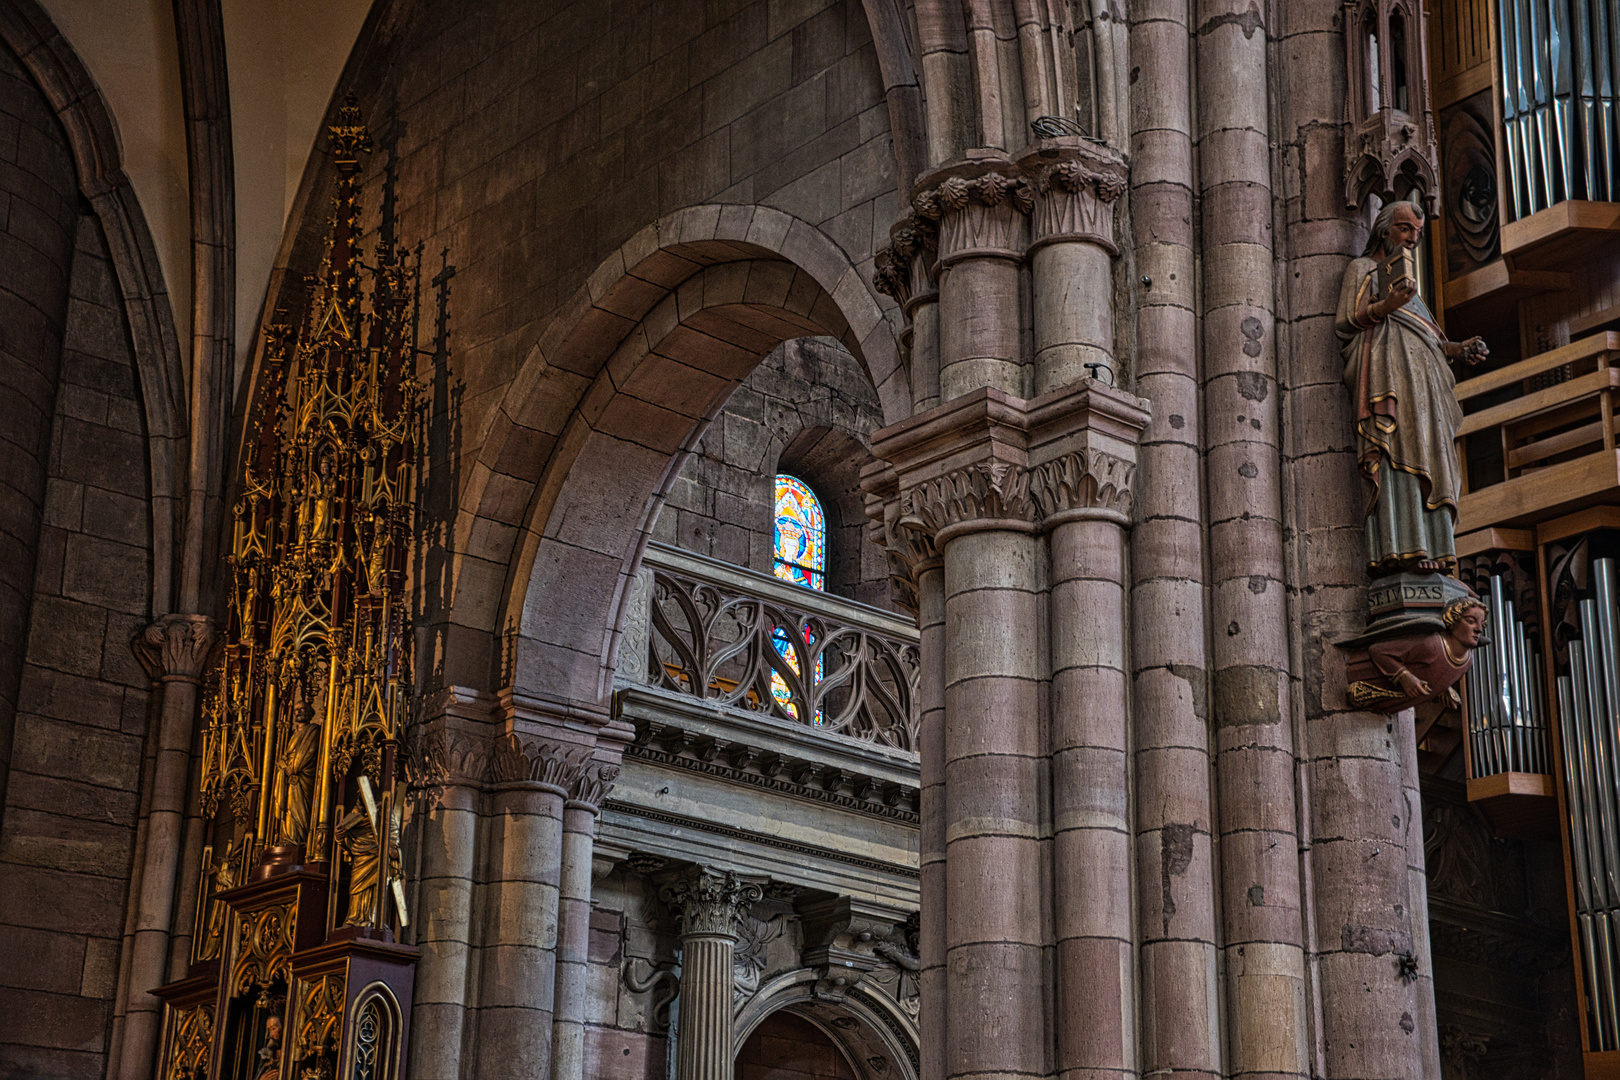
x=749, y=641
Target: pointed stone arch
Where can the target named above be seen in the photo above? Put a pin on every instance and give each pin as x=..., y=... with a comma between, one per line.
x=576, y=459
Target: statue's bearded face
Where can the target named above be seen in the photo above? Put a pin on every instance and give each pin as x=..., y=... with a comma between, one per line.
x=1403, y=233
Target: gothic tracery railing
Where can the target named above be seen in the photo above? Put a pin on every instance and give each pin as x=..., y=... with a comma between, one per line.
x=749, y=641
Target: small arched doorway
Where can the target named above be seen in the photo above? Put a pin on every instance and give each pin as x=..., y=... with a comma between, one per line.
x=786, y=1046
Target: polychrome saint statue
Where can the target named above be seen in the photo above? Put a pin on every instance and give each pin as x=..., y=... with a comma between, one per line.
x=1397, y=366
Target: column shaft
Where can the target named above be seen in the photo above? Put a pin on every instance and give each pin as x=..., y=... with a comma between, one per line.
x=1091, y=856
x=573, y=942
x=934, y=1017
x=703, y=1041
x=149, y=954
x=519, y=963
x=1074, y=318
x=1175, y=897
x=979, y=327
x=994, y=765
x=444, y=928
x=1251, y=694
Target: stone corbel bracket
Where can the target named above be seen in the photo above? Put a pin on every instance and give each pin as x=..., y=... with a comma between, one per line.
x=840, y=935
x=756, y=751
x=992, y=461
x=998, y=206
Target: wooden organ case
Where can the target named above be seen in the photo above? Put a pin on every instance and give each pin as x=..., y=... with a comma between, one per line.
x=296, y=971
x=1525, y=251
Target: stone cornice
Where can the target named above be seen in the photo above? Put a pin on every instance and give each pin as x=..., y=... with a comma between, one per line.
x=758, y=752
x=990, y=461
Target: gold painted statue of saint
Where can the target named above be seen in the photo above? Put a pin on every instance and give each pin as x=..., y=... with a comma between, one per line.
x=1398, y=369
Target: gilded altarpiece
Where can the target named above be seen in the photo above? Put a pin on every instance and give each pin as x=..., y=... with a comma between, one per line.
x=296, y=972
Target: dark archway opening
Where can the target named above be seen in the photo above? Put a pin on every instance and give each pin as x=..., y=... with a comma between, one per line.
x=789, y=1047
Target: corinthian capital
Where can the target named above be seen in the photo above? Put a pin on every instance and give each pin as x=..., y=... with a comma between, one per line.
x=710, y=901
x=176, y=647
x=593, y=784
x=981, y=213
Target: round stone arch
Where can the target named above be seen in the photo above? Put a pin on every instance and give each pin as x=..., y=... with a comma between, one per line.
x=873, y=1032
x=577, y=458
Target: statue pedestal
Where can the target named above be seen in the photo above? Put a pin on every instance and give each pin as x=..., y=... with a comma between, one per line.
x=1406, y=604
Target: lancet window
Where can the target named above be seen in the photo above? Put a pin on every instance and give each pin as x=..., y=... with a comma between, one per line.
x=801, y=534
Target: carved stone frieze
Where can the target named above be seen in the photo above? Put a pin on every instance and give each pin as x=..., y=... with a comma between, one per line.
x=710, y=901
x=176, y=647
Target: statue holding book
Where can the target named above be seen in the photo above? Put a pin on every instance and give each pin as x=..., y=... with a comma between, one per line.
x=1397, y=366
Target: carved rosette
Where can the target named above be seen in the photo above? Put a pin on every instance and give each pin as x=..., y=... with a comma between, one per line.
x=710, y=902
x=176, y=647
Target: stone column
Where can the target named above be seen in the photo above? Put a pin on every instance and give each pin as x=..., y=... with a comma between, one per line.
x=710, y=904
x=918, y=575
x=1251, y=696
x=982, y=236
x=528, y=785
x=1085, y=501
x=1175, y=899
x=1364, y=897
x=966, y=473
x=585, y=797
x=934, y=1017
x=457, y=754
x=178, y=646
x=1071, y=259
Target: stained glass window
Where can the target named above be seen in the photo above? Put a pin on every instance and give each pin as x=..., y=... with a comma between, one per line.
x=801, y=534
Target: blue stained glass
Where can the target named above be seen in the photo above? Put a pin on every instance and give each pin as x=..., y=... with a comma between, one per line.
x=801, y=534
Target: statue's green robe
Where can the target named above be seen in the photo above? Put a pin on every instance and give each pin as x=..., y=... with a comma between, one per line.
x=1406, y=423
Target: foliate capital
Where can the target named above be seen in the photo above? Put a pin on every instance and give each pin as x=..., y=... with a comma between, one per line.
x=593, y=784
x=991, y=461
x=710, y=901
x=548, y=765
x=176, y=647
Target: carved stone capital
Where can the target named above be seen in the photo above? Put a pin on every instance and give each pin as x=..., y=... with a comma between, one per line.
x=909, y=551
x=709, y=901
x=549, y=766
x=1083, y=484
x=991, y=461
x=906, y=268
x=593, y=784
x=176, y=647
x=984, y=216
x=1075, y=190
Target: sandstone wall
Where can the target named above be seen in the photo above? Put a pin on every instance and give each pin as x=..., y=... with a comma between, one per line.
x=77, y=764
x=807, y=410
x=38, y=213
